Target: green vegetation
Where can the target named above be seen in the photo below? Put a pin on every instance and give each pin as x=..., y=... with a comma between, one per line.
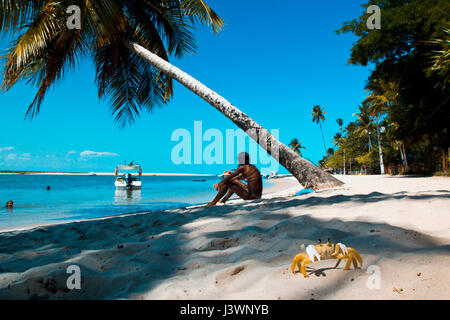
x=442, y=173
x=402, y=126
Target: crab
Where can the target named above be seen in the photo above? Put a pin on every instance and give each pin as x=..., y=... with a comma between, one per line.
x=326, y=251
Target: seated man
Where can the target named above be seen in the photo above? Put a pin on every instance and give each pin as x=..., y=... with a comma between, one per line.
x=232, y=184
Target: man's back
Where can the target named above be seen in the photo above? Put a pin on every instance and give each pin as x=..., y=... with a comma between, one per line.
x=254, y=180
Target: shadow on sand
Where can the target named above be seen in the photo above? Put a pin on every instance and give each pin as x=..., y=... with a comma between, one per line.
x=123, y=257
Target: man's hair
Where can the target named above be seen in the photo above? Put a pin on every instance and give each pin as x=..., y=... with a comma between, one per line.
x=243, y=158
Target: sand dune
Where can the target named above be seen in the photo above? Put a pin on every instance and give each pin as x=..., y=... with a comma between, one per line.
x=243, y=250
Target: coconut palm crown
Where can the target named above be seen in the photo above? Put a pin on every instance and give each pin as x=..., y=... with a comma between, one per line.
x=44, y=49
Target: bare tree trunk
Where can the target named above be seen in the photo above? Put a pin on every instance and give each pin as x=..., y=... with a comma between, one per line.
x=402, y=150
x=380, y=151
x=307, y=174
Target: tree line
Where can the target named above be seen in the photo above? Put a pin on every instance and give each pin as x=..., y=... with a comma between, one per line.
x=402, y=124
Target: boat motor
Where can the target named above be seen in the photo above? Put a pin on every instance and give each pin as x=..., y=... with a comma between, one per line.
x=129, y=180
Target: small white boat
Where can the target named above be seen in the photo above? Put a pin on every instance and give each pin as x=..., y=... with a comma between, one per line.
x=128, y=177
x=92, y=174
x=275, y=175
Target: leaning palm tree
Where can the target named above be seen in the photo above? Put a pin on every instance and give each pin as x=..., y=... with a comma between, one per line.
x=296, y=146
x=130, y=42
x=318, y=115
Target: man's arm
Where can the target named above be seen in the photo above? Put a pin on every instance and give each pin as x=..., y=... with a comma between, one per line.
x=240, y=176
x=235, y=174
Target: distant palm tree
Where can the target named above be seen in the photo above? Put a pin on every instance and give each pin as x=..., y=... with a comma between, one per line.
x=379, y=101
x=364, y=123
x=337, y=139
x=318, y=115
x=129, y=42
x=340, y=123
x=296, y=146
x=378, y=104
x=330, y=152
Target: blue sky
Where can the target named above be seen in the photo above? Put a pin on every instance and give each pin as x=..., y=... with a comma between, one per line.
x=273, y=60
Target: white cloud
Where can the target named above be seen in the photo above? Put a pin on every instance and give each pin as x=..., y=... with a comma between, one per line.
x=11, y=156
x=95, y=154
x=25, y=156
x=14, y=157
x=6, y=148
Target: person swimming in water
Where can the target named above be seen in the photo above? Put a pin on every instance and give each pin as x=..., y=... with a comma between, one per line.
x=232, y=183
x=10, y=204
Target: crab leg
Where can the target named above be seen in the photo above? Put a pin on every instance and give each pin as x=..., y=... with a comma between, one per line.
x=303, y=269
x=294, y=263
x=347, y=265
x=355, y=264
x=358, y=257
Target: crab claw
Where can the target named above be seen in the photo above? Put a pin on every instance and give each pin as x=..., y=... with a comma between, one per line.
x=312, y=253
x=343, y=248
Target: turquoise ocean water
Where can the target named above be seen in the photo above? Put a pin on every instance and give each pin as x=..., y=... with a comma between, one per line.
x=73, y=197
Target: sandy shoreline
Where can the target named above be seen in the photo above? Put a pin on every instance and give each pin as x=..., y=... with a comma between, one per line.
x=279, y=187
x=243, y=250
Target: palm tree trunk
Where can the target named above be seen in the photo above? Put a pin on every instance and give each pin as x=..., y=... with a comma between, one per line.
x=402, y=150
x=323, y=138
x=380, y=151
x=307, y=174
x=344, y=162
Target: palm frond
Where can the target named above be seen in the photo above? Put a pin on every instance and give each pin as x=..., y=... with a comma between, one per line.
x=63, y=55
x=36, y=38
x=200, y=11
x=175, y=29
x=15, y=13
x=107, y=19
x=129, y=82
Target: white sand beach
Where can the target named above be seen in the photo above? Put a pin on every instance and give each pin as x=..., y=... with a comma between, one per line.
x=244, y=250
